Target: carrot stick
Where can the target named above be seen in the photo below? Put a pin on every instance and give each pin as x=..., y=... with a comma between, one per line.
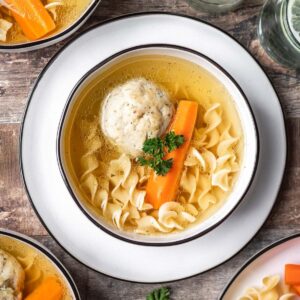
x=292, y=274
x=32, y=17
x=297, y=289
x=50, y=289
x=161, y=189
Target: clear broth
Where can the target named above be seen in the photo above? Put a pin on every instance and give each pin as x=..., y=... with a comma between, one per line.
x=181, y=78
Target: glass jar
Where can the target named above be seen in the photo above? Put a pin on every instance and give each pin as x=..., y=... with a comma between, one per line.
x=279, y=31
x=215, y=6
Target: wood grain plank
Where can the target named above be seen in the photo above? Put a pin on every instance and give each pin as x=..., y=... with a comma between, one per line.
x=207, y=286
x=15, y=211
x=15, y=84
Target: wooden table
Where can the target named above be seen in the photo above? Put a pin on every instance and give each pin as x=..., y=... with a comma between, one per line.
x=17, y=75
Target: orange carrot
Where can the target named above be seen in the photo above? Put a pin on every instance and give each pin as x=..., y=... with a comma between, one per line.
x=292, y=274
x=297, y=289
x=49, y=289
x=161, y=189
x=32, y=17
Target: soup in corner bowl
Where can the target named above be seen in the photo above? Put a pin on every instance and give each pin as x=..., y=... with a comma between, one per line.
x=29, y=271
x=32, y=24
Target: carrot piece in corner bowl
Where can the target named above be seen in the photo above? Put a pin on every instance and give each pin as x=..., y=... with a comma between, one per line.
x=49, y=289
x=32, y=17
x=161, y=189
x=292, y=274
x=297, y=289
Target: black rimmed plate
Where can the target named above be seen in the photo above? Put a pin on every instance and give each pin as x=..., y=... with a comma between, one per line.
x=42, y=250
x=51, y=198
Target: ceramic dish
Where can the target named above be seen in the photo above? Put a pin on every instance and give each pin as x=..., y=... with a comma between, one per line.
x=248, y=166
x=56, y=37
x=39, y=249
x=269, y=261
x=51, y=198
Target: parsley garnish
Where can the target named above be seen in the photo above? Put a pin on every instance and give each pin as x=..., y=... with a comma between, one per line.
x=159, y=294
x=154, y=146
x=154, y=149
x=173, y=141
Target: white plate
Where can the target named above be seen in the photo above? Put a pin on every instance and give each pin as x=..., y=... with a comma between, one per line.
x=270, y=261
x=250, y=141
x=45, y=252
x=51, y=199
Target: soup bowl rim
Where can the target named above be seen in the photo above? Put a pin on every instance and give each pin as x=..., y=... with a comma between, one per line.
x=71, y=99
x=56, y=36
x=45, y=251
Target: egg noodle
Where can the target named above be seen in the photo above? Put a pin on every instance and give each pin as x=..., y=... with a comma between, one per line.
x=208, y=176
x=272, y=289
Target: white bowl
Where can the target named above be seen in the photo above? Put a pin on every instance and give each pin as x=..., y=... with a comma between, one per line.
x=39, y=248
x=53, y=38
x=250, y=156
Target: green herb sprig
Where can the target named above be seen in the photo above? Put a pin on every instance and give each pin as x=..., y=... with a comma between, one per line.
x=159, y=294
x=173, y=141
x=154, y=150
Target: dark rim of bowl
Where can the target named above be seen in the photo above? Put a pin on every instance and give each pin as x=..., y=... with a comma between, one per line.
x=54, y=37
x=254, y=257
x=62, y=123
x=48, y=254
x=48, y=65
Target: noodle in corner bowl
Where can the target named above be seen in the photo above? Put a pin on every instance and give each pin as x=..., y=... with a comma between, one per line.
x=29, y=271
x=157, y=145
